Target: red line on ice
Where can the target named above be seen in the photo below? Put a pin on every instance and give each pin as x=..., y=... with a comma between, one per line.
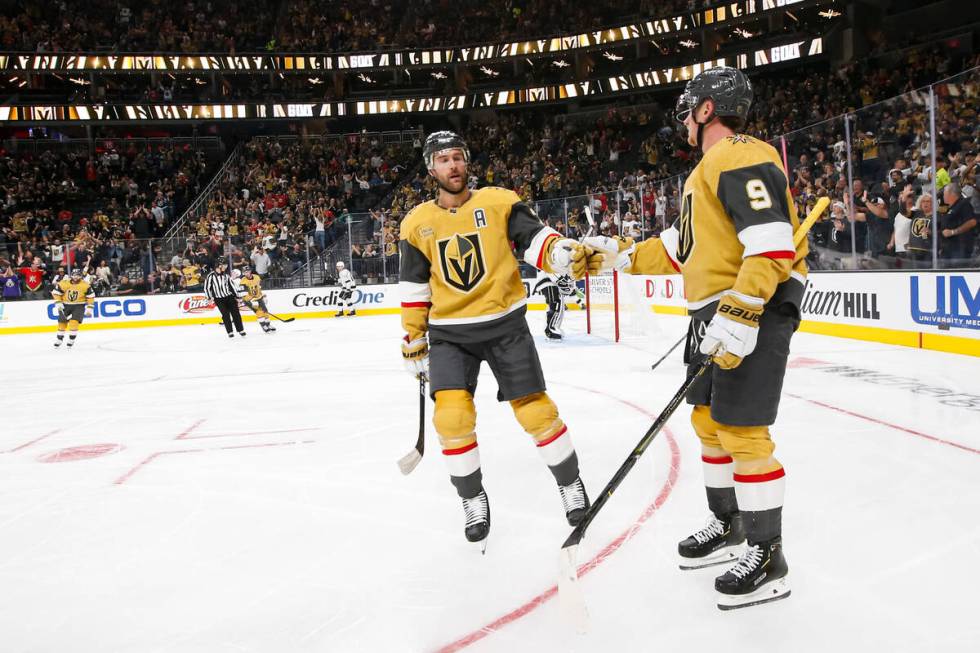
x=884, y=423
x=153, y=456
x=608, y=550
x=34, y=441
x=186, y=432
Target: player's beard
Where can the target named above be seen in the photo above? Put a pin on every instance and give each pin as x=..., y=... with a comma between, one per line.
x=446, y=187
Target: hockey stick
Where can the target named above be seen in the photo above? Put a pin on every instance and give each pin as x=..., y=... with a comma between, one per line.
x=669, y=351
x=282, y=319
x=798, y=237
x=409, y=461
x=569, y=591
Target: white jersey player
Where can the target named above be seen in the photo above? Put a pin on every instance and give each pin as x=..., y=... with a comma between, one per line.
x=347, y=285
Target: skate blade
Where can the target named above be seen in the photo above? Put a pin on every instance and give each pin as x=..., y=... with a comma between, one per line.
x=482, y=544
x=774, y=591
x=720, y=557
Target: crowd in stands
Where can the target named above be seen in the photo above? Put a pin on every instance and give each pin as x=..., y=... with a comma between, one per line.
x=284, y=201
x=302, y=25
x=121, y=26
x=65, y=209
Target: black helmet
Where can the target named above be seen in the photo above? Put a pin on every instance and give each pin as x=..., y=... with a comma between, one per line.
x=443, y=140
x=221, y=261
x=729, y=88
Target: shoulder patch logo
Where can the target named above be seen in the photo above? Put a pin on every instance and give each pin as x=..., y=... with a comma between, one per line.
x=685, y=229
x=462, y=262
x=739, y=138
x=425, y=232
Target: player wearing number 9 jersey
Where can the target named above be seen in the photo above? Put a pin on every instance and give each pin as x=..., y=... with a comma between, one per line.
x=743, y=279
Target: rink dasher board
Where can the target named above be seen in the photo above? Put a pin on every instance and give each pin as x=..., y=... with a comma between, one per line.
x=922, y=309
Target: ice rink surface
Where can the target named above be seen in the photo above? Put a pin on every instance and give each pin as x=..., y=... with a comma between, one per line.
x=169, y=490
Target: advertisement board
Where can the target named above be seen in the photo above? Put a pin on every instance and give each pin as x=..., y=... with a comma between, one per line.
x=930, y=310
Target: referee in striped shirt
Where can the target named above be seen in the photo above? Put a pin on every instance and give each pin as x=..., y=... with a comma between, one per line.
x=220, y=289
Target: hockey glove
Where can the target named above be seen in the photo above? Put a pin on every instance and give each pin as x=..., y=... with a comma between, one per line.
x=60, y=307
x=609, y=253
x=416, y=356
x=567, y=256
x=733, y=330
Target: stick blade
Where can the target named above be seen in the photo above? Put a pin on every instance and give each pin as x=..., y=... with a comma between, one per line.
x=570, y=595
x=409, y=461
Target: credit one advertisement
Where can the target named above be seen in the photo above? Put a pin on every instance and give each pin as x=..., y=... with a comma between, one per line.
x=165, y=310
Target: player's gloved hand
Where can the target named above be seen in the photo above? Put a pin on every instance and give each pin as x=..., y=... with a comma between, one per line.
x=415, y=353
x=567, y=256
x=610, y=253
x=60, y=307
x=733, y=330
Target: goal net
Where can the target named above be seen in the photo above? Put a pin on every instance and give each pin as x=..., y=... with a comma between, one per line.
x=617, y=309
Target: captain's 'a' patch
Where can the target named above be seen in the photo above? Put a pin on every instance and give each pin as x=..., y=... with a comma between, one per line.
x=462, y=262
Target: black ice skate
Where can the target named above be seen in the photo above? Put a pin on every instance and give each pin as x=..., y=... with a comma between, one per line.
x=719, y=542
x=477, y=511
x=242, y=334
x=552, y=335
x=352, y=313
x=270, y=329
x=339, y=314
x=231, y=335
x=759, y=576
x=575, y=500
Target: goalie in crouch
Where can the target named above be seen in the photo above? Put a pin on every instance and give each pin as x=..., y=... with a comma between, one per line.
x=743, y=278
x=463, y=303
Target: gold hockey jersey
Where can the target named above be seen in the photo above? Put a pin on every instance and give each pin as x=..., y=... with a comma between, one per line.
x=459, y=276
x=253, y=288
x=70, y=292
x=735, y=229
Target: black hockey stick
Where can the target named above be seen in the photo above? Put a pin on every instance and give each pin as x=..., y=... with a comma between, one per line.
x=669, y=352
x=409, y=461
x=569, y=590
x=281, y=319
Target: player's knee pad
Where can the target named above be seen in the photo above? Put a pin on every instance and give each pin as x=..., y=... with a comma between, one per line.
x=260, y=313
x=750, y=446
x=73, y=325
x=705, y=427
x=538, y=415
x=455, y=418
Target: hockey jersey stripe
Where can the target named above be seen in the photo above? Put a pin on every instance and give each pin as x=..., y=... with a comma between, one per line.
x=669, y=238
x=767, y=237
x=412, y=293
x=781, y=254
x=479, y=318
x=534, y=254
x=716, y=460
x=460, y=450
x=416, y=304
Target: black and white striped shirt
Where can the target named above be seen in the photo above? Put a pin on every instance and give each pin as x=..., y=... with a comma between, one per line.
x=218, y=285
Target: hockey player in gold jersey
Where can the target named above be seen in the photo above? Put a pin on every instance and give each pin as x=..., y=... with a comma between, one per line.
x=743, y=279
x=71, y=297
x=463, y=303
x=254, y=298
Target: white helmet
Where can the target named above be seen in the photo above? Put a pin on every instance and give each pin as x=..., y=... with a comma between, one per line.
x=340, y=265
x=236, y=274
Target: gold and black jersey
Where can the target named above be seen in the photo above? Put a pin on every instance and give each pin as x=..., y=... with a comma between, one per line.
x=735, y=229
x=71, y=292
x=459, y=275
x=192, y=275
x=253, y=288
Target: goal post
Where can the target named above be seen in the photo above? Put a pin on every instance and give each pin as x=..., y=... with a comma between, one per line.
x=617, y=309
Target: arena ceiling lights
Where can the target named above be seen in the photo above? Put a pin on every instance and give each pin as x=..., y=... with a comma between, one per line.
x=642, y=81
x=728, y=12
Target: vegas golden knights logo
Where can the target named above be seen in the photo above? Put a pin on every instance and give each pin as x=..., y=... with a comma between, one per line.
x=920, y=226
x=685, y=230
x=462, y=263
